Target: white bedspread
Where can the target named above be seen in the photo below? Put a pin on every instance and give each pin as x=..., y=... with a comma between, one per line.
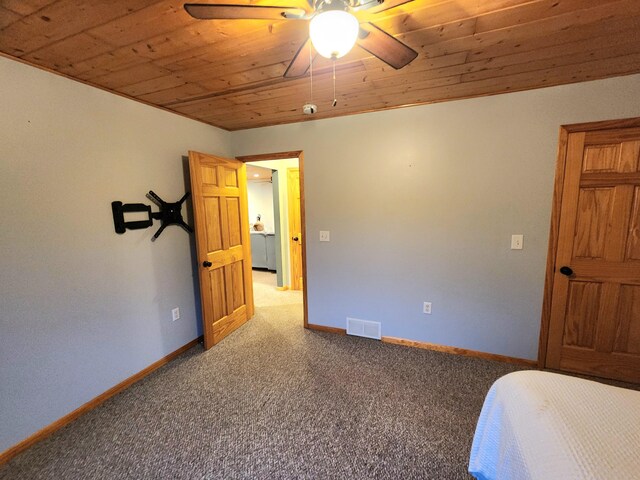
x=545, y=426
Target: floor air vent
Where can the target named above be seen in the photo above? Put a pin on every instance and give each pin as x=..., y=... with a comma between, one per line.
x=363, y=328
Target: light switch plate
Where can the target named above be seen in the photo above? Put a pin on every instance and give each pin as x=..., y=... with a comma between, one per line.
x=325, y=236
x=516, y=242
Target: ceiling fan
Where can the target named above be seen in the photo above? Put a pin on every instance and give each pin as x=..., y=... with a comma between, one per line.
x=333, y=28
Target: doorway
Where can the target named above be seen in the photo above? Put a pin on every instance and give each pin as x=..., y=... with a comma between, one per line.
x=277, y=228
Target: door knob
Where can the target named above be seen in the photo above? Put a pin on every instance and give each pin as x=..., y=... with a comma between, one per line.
x=566, y=271
x=206, y=264
x=295, y=239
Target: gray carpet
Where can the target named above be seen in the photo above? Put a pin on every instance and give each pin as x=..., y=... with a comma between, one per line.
x=274, y=401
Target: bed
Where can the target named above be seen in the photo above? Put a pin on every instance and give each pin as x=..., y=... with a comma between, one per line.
x=540, y=425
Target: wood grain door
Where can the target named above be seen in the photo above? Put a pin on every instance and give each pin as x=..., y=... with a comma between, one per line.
x=594, y=325
x=219, y=188
x=295, y=227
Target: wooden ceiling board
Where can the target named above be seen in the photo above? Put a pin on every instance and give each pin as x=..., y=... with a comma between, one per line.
x=122, y=78
x=230, y=73
x=580, y=72
x=561, y=36
x=417, y=70
x=25, y=7
x=523, y=36
x=61, y=19
x=161, y=18
x=185, y=90
x=7, y=17
x=80, y=46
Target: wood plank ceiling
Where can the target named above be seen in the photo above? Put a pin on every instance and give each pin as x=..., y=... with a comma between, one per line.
x=229, y=73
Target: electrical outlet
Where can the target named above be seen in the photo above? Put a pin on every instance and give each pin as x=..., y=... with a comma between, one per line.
x=175, y=313
x=325, y=236
x=426, y=308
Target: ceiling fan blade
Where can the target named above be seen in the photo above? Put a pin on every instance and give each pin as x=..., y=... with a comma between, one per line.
x=377, y=6
x=207, y=11
x=300, y=63
x=384, y=46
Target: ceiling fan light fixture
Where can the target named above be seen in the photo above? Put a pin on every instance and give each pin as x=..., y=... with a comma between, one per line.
x=333, y=33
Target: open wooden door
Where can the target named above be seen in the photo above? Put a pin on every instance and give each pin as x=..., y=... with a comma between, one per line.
x=594, y=324
x=219, y=189
x=295, y=227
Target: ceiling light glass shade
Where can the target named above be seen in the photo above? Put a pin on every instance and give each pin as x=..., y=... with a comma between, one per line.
x=333, y=33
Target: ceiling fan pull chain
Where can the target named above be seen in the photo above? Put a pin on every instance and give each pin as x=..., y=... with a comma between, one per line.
x=335, y=101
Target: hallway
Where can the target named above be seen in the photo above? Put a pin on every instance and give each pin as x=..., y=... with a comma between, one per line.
x=266, y=294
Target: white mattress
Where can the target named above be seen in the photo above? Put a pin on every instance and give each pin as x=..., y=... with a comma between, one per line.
x=540, y=425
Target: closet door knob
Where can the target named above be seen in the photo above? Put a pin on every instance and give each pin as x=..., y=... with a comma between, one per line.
x=206, y=264
x=295, y=239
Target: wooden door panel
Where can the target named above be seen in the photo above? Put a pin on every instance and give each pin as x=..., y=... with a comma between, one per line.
x=600, y=364
x=237, y=277
x=621, y=157
x=604, y=271
x=594, y=214
x=231, y=322
x=582, y=314
x=630, y=157
x=627, y=339
x=222, y=241
x=218, y=297
x=224, y=218
x=230, y=177
x=613, y=136
x=601, y=158
x=233, y=218
x=609, y=179
x=228, y=280
x=213, y=224
x=210, y=190
x=296, y=268
x=594, y=325
x=222, y=258
x=633, y=241
x=209, y=175
x=618, y=227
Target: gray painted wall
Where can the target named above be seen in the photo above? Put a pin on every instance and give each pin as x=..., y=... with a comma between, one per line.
x=421, y=204
x=260, y=201
x=82, y=308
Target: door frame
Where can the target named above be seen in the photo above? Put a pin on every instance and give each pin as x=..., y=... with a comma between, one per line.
x=556, y=207
x=300, y=156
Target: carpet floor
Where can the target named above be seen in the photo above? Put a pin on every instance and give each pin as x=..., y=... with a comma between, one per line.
x=275, y=401
x=265, y=293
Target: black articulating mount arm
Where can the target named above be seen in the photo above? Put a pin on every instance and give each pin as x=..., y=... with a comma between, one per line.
x=169, y=214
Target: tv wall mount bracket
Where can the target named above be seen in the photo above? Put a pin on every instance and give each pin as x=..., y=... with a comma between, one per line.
x=169, y=214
